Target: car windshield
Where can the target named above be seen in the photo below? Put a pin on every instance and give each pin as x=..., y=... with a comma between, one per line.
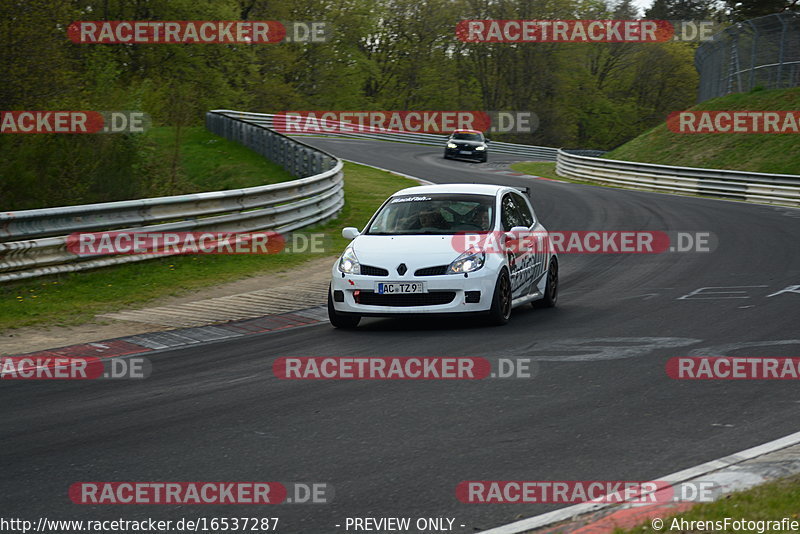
x=434, y=214
x=464, y=136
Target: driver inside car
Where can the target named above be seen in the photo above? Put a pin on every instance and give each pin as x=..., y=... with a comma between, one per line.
x=481, y=218
x=431, y=218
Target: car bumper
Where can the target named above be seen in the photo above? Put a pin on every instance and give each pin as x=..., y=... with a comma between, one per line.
x=456, y=153
x=358, y=294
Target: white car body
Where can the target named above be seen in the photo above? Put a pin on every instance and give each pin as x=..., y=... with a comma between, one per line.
x=380, y=258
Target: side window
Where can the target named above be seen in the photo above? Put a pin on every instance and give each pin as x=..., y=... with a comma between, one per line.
x=524, y=212
x=509, y=213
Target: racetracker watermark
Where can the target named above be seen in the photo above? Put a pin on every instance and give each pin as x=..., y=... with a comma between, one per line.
x=736, y=122
x=733, y=368
x=307, y=32
x=578, y=491
x=50, y=368
x=236, y=523
x=402, y=368
x=585, y=242
x=408, y=121
x=73, y=122
x=198, y=31
x=177, y=243
x=583, y=31
x=185, y=493
x=175, y=32
x=73, y=368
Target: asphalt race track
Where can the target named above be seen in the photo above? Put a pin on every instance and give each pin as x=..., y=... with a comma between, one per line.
x=600, y=408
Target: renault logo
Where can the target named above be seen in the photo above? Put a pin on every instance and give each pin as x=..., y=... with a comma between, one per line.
x=401, y=269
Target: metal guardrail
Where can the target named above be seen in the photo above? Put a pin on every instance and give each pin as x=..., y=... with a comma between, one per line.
x=541, y=153
x=783, y=189
x=34, y=242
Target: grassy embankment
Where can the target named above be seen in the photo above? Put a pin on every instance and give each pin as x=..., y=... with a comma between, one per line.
x=772, y=153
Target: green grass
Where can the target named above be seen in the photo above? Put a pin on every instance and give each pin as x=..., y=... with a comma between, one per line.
x=76, y=297
x=769, y=502
x=772, y=153
x=545, y=169
x=49, y=171
x=208, y=162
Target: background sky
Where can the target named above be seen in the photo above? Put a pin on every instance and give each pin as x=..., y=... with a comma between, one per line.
x=642, y=5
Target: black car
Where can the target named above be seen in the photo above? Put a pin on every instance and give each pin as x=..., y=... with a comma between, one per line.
x=466, y=144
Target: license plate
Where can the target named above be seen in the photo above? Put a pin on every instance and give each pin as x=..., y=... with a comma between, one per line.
x=398, y=288
x=465, y=152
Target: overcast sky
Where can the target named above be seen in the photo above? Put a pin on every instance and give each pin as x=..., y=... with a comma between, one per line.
x=642, y=5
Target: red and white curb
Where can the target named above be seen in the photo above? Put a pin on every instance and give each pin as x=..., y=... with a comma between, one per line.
x=422, y=181
x=509, y=172
x=735, y=472
x=169, y=339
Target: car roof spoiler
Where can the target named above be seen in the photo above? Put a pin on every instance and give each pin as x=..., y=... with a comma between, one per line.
x=526, y=190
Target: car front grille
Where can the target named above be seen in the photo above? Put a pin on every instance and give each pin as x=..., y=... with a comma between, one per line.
x=369, y=270
x=431, y=271
x=368, y=298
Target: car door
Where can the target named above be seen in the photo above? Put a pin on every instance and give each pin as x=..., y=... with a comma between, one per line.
x=535, y=247
x=518, y=262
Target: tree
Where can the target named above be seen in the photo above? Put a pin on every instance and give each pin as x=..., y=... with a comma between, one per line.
x=625, y=10
x=38, y=69
x=749, y=9
x=681, y=9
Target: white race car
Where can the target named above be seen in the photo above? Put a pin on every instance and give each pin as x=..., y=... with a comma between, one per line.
x=442, y=249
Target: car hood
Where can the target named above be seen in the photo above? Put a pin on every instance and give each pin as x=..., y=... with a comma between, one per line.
x=416, y=251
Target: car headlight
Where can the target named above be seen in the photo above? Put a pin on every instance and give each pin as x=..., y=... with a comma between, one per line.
x=482, y=147
x=451, y=145
x=348, y=263
x=469, y=261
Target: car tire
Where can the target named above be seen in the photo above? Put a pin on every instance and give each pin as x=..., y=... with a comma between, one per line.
x=550, y=288
x=446, y=156
x=500, y=312
x=484, y=159
x=339, y=320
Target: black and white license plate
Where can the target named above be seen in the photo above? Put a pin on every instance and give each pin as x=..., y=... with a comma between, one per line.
x=399, y=288
x=465, y=151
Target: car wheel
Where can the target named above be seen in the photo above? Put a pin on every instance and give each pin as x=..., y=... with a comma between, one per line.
x=446, y=156
x=550, y=288
x=501, y=300
x=484, y=159
x=339, y=320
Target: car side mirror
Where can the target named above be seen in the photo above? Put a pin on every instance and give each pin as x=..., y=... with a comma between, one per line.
x=516, y=237
x=514, y=234
x=350, y=232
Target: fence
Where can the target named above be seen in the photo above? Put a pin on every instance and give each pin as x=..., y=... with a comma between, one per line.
x=781, y=189
x=764, y=51
x=34, y=242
